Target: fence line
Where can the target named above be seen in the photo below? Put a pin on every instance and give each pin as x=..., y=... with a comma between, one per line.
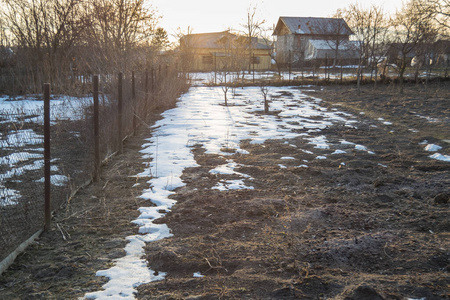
x=79, y=143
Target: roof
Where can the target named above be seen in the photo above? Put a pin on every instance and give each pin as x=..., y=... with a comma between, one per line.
x=326, y=48
x=329, y=45
x=206, y=40
x=311, y=26
x=217, y=40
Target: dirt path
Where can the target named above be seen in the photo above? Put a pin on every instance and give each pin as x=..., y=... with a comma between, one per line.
x=354, y=226
x=85, y=237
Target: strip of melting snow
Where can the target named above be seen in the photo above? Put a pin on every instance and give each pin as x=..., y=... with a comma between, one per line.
x=201, y=119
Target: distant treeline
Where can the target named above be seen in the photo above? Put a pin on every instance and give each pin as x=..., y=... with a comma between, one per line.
x=64, y=41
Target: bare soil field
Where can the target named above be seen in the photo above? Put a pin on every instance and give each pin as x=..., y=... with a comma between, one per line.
x=376, y=227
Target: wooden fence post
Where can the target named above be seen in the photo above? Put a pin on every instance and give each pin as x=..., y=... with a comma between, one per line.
x=47, y=178
x=96, y=130
x=119, y=112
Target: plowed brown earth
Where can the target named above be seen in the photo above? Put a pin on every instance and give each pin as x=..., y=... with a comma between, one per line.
x=376, y=227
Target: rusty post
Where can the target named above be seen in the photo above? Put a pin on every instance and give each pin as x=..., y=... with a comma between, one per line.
x=119, y=111
x=159, y=79
x=215, y=69
x=290, y=65
x=96, y=130
x=253, y=65
x=152, y=79
x=146, y=95
x=133, y=100
x=47, y=178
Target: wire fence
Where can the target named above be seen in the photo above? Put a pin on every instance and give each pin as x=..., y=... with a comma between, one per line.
x=73, y=144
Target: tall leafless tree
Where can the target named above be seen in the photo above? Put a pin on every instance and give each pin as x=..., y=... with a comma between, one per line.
x=268, y=41
x=410, y=29
x=439, y=10
x=55, y=39
x=367, y=25
x=252, y=30
x=120, y=26
x=45, y=32
x=187, y=49
x=337, y=31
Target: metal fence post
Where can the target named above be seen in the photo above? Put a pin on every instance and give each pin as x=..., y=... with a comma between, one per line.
x=47, y=178
x=159, y=79
x=133, y=99
x=253, y=65
x=119, y=112
x=152, y=79
x=290, y=65
x=146, y=95
x=96, y=130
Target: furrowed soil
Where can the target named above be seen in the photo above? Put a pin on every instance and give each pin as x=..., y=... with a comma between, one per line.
x=352, y=226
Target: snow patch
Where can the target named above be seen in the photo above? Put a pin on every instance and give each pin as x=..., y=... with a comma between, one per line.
x=432, y=148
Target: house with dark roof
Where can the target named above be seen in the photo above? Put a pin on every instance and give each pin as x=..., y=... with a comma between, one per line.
x=223, y=51
x=321, y=50
x=293, y=36
x=442, y=53
x=434, y=54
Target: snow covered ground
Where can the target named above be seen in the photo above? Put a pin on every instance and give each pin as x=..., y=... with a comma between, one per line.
x=200, y=118
x=210, y=77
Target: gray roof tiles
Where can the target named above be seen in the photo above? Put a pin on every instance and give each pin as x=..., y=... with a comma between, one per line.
x=312, y=26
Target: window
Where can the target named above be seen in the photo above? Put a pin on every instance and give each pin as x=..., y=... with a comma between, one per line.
x=256, y=60
x=207, y=59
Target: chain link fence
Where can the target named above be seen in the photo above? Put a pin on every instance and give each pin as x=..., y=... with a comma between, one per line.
x=72, y=144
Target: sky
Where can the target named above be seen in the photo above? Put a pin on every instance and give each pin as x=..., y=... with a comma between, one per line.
x=212, y=16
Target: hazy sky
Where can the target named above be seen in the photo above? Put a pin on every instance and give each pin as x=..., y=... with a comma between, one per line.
x=210, y=16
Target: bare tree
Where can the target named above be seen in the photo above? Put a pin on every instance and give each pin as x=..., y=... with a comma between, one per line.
x=238, y=59
x=58, y=39
x=118, y=27
x=337, y=31
x=252, y=30
x=45, y=32
x=186, y=49
x=5, y=50
x=3, y=36
x=227, y=43
x=439, y=10
x=367, y=25
x=411, y=29
x=263, y=87
x=225, y=85
x=377, y=47
x=266, y=37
